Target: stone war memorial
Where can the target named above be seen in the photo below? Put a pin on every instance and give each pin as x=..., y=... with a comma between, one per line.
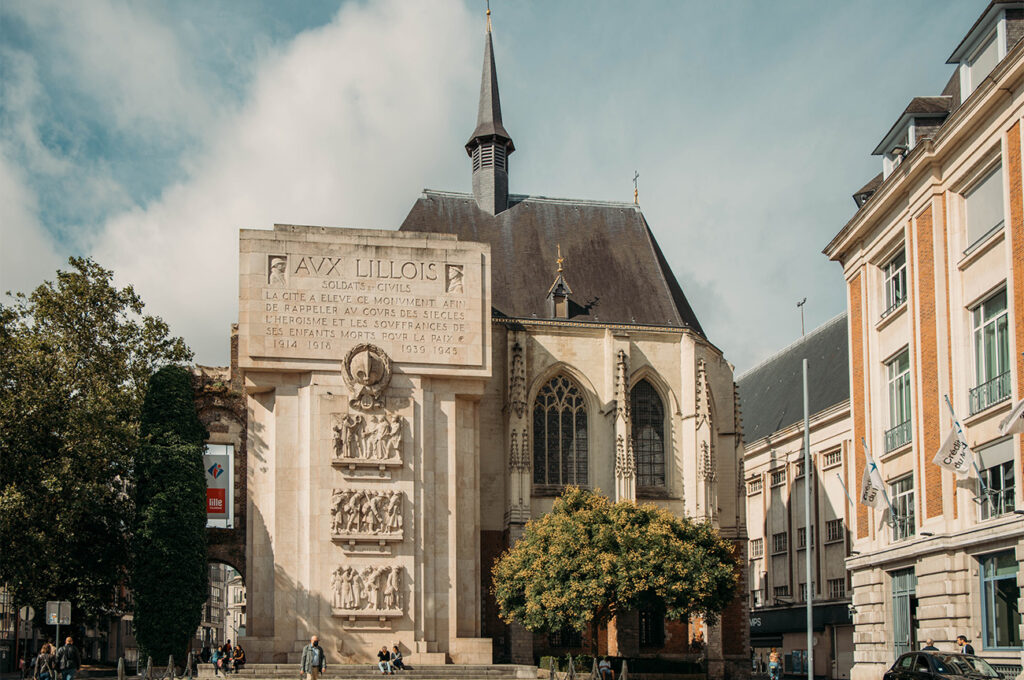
x=413, y=397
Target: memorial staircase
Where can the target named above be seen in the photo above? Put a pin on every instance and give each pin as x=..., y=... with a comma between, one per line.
x=270, y=671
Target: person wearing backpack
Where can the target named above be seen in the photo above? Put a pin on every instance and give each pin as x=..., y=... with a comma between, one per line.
x=68, y=660
x=46, y=664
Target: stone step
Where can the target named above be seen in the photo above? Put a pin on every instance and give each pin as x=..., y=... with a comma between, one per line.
x=361, y=671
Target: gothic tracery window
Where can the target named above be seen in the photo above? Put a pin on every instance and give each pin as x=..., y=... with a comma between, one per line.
x=648, y=415
x=560, y=434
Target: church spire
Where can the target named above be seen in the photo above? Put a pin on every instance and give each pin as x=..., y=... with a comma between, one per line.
x=490, y=144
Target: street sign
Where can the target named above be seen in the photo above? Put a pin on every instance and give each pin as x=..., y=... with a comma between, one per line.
x=58, y=613
x=27, y=613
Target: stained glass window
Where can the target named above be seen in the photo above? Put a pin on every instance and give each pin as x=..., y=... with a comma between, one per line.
x=560, y=434
x=648, y=434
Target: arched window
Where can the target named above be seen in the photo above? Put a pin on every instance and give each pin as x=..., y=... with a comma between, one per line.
x=648, y=434
x=560, y=434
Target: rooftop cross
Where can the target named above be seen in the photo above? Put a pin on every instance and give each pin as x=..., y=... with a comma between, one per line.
x=560, y=259
x=636, y=192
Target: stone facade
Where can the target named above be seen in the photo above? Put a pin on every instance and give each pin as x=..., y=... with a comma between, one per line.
x=382, y=485
x=928, y=264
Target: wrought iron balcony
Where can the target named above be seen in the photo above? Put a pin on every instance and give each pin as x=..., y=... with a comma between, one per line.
x=998, y=502
x=898, y=436
x=992, y=392
x=897, y=303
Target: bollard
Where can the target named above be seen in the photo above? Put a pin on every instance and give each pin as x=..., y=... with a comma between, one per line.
x=188, y=665
x=149, y=668
x=170, y=667
x=552, y=669
x=120, y=668
x=593, y=671
x=571, y=673
x=624, y=675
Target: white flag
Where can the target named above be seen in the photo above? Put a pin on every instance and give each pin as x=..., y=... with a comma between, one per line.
x=954, y=454
x=1013, y=423
x=871, y=490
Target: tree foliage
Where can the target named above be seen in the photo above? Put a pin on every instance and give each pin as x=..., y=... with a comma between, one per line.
x=169, y=576
x=75, y=357
x=589, y=558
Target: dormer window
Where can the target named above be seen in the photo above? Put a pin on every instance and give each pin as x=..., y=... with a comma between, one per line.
x=996, y=32
x=982, y=61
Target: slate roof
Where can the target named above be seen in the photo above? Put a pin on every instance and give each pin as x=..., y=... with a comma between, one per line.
x=613, y=264
x=771, y=394
x=925, y=107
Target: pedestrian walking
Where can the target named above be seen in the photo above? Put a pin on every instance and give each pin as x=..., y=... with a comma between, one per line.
x=313, y=659
x=929, y=646
x=68, y=660
x=774, y=665
x=965, y=646
x=46, y=664
x=396, y=659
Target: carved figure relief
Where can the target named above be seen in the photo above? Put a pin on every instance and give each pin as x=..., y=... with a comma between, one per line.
x=367, y=372
x=277, y=270
x=517, y=381
x=370, y=590
x=358, y=512
x=368, y=438
x=453, y=278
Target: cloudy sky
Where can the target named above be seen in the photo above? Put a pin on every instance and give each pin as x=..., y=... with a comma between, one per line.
x=147, y=134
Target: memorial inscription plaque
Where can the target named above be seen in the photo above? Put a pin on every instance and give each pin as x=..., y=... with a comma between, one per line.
x=314, y=293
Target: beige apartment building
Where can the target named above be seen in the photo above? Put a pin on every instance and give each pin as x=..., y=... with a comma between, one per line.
x=771, y=397
x=934, y=264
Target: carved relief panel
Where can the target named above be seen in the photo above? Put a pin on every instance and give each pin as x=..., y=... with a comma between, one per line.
x=366, y=516
x=367, y=592
x=364, y=442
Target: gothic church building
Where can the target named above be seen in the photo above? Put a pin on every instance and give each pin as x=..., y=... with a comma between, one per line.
x=373, y=496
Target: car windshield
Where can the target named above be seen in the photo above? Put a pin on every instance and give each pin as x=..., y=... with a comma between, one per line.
x=965, y=665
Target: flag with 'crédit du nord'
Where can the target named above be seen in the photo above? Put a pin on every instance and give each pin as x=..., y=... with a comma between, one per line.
x=954, y=453
x=871, y=490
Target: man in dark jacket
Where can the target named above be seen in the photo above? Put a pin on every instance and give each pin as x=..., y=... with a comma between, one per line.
x=68, y=660
x=965, y=646
x=313, y=659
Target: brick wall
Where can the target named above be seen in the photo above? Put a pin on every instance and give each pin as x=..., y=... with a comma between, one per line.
x=858, y=403
x=492, y=543
x=1017, y=252
x=929, y=399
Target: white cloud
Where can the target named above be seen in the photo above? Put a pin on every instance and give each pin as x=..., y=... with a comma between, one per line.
x=126, y=55
x=26, y=251
x=340, y=128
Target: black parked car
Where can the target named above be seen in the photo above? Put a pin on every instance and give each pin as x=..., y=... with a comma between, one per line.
x=939, y=666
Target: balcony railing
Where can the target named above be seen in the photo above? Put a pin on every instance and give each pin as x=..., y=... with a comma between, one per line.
x=992, y=392
x=897, y=303
x=898, y=436
x=998, y=502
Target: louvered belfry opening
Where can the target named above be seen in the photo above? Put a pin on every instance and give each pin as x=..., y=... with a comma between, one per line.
x=490, y=156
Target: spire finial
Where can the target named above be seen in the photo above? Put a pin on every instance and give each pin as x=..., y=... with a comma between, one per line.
x=560, y=259
x=636, y=192
x=488, y=16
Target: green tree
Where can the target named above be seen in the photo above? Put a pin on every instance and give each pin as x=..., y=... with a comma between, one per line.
x=169, y=578
x=75, y=357
x=589, y=558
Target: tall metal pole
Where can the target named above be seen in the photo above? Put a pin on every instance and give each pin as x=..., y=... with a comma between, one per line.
x=808, y=537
